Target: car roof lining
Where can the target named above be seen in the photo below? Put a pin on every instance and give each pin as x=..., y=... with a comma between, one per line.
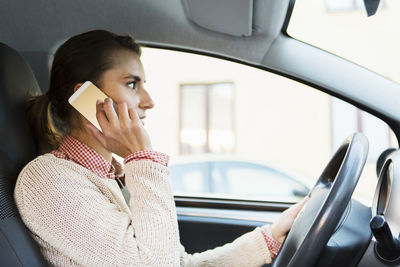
x=237, y=19
x=240, y=18
x=148, y=20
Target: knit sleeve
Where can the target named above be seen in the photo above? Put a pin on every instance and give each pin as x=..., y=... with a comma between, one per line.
x=247, y=250
x=71, y=213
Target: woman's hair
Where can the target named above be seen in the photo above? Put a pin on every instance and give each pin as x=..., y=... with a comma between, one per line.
x=84, y=57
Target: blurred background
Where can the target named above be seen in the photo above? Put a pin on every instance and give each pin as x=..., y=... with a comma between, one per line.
x=234, y=131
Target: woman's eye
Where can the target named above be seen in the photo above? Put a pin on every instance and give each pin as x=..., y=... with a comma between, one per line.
x=132, y=85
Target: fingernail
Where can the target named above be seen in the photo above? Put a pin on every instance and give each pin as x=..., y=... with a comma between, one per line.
x=98, y=101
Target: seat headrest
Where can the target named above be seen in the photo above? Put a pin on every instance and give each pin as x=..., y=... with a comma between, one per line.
x=17, y=85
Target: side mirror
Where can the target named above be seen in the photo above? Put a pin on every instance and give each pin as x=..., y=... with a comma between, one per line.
x=300, y=192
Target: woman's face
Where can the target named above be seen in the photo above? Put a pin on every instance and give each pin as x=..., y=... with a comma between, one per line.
x=125, y=82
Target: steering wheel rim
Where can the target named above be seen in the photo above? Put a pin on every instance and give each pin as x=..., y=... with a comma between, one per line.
x=329, y=198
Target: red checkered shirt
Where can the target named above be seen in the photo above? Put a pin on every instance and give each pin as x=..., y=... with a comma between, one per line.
x=272, y=244
x=74, y=150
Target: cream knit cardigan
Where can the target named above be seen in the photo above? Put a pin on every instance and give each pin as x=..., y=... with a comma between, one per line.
x=81, y=219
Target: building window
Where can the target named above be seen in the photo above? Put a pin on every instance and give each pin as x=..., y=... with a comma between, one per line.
x=207, y=118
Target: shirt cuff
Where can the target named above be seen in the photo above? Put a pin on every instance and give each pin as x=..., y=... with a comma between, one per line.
x=154, y=156
x=272, y=244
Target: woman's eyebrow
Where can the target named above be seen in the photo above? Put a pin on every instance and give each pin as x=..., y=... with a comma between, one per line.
x=135, y=77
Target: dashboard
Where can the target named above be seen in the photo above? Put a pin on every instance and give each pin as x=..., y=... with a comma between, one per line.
x=387, y=194
x=384, y=248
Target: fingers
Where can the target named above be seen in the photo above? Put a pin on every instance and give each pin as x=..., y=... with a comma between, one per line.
x=295, y=209
x=123, y=112
x=134, y=116
x=110, y=111
x=302, y=203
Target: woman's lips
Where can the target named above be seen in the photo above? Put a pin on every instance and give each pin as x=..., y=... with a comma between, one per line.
x=141, y=119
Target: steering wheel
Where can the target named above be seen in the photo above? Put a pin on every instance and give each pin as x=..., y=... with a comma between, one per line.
x=328, y=200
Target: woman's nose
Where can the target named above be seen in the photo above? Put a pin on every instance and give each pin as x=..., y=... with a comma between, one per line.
x=146, y=102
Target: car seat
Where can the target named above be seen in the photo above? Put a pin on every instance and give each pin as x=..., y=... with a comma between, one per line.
x=17, y=147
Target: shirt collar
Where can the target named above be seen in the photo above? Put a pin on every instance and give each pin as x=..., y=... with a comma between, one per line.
x=73, y=149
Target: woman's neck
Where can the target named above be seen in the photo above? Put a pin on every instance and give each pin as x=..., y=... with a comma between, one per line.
x=87, y=138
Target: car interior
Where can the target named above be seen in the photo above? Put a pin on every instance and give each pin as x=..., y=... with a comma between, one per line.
x=335, y=228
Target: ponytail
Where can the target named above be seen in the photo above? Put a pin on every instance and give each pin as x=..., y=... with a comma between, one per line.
x=47, y=130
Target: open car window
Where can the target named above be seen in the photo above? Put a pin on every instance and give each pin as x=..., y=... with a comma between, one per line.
x=234, y=131
x=342, y=27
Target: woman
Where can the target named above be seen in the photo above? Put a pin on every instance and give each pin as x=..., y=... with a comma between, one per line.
x=70, y=199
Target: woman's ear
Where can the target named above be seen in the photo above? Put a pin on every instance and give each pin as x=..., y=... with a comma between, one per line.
x=77, y=86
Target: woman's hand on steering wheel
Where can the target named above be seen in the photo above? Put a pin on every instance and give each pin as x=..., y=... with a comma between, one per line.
x=282, y=225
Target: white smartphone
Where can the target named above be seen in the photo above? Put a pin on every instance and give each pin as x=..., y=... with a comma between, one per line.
x=84, y=101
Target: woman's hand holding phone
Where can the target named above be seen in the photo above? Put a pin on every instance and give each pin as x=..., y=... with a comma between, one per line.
x=123, y=134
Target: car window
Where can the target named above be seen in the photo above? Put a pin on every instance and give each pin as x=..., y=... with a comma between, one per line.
x=213, y=110
x=256, y=181
x=342, y=27
x=190, y=178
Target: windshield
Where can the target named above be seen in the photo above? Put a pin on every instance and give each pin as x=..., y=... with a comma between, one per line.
x=343, y=28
